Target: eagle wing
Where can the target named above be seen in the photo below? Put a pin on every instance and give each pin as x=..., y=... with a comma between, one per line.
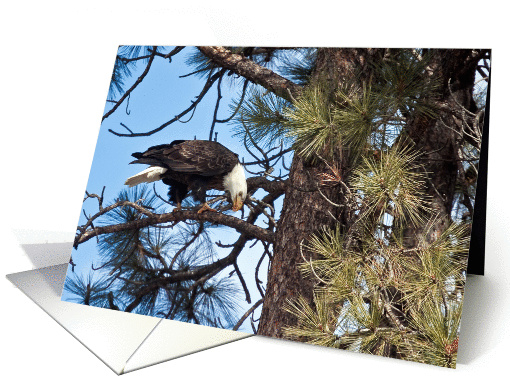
x=206, y=158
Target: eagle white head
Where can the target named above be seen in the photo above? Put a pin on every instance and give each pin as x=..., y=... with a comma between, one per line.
x=235, y=183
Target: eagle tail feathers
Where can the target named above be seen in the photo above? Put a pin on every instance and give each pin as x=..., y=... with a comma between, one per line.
x=148, y=175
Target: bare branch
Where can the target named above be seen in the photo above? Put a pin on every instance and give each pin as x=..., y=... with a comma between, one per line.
x=187, y=244
x=271, y=186
x=276, y=156
x=137, y=82
x=246, y=315
x=174, y=216
x=258, y=282
x=169, y=55
x=243, y=94
x=218, y=99
x=193, y=105
x=243, y=283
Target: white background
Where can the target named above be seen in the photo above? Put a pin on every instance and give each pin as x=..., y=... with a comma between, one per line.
x=55, y=66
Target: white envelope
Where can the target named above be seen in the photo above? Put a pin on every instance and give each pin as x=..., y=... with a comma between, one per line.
x=151, y=340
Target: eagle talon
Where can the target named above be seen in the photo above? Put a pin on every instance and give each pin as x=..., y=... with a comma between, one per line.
x=206, y=207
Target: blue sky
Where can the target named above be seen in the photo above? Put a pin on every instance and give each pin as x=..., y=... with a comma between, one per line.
x=161, y=96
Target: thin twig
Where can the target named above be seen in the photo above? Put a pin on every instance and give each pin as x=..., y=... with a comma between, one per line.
x=243, y=283
x=137, y=82
x=218, y=99
x=193, y=105
x=247, y=313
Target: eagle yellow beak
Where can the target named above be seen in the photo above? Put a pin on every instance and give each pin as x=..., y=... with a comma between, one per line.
x=237, y=204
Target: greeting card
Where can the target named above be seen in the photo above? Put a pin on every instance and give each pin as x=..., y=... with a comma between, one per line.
x=320, y=195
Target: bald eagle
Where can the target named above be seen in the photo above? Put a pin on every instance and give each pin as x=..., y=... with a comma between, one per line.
x=195, y=166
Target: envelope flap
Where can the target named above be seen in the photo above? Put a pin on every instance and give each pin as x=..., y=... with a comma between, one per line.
x=112, y=336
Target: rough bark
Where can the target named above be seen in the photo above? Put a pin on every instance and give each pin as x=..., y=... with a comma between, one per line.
x=455, y=69
x=305, y=210
x=245, y=67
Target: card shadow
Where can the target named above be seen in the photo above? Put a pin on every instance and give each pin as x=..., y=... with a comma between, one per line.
x=480, y=298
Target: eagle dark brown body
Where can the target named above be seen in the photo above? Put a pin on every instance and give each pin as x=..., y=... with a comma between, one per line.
x=185, y=166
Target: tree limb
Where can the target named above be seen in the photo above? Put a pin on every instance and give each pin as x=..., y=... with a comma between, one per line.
x=245, y=67
x=271, y=186
x=175, y=217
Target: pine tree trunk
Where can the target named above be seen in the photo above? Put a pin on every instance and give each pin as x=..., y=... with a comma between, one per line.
x=305, y=211
x=438, y=138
